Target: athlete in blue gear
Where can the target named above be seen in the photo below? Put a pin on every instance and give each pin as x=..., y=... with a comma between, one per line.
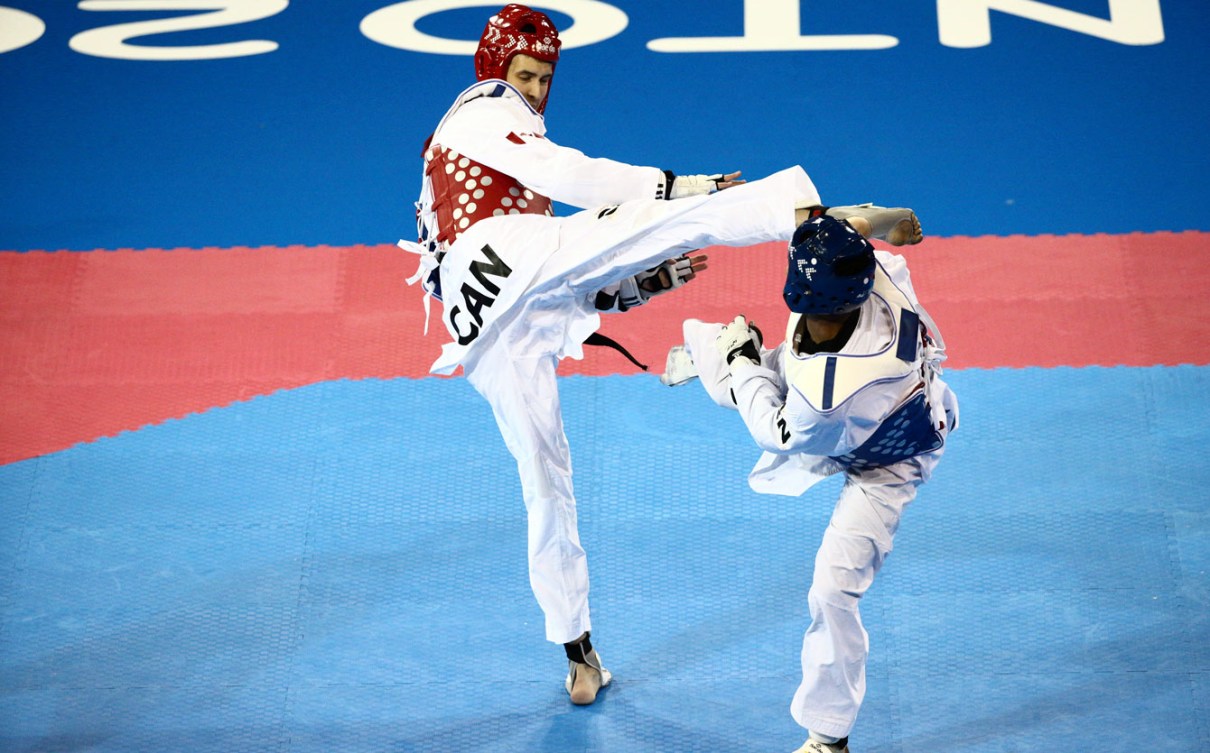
x=854, y=389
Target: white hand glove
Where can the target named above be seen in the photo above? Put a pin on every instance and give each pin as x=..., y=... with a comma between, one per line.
x=668, y=276
x=739, y=339
x=641, y=288
x=694, y=185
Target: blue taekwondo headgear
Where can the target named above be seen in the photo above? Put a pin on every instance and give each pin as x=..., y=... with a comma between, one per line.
x=831, y=269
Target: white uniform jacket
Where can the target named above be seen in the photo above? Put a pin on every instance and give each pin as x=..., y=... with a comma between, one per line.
x=491, y=124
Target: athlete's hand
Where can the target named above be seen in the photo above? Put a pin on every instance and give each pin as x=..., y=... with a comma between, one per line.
x=731, y=179
x=670, y=275
x=698, y=185
x=697, y=265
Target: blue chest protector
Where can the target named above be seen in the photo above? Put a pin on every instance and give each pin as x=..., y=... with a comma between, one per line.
x=907, y=432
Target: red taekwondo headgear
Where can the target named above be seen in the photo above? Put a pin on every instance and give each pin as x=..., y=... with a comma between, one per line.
x=516, y=29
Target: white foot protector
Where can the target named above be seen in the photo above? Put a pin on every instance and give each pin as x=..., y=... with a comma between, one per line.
x=679, y=368
x=895, y=225
x=583, y=689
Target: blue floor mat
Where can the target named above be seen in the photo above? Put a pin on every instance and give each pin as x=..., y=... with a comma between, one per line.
x=342, y=567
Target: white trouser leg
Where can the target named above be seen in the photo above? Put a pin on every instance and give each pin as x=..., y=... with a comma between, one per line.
x=524, y=396
x=857, y=541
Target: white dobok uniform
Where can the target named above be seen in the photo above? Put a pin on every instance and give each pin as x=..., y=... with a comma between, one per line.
x=518, y=286
x=878, y=411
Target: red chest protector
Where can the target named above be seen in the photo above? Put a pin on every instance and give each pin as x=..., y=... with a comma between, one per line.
x=465, y=191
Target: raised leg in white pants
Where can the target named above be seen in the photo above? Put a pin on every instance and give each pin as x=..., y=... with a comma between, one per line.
x=524, y=396
x=857, y=541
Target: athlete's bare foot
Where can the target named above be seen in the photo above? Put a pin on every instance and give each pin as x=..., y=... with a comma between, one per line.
x=906, y=232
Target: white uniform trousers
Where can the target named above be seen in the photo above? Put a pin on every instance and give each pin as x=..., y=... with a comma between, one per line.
x=512, y=362
x=524, y=395
x=856, y=543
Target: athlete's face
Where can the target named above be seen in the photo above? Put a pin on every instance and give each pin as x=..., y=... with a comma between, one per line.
x=531, y=77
